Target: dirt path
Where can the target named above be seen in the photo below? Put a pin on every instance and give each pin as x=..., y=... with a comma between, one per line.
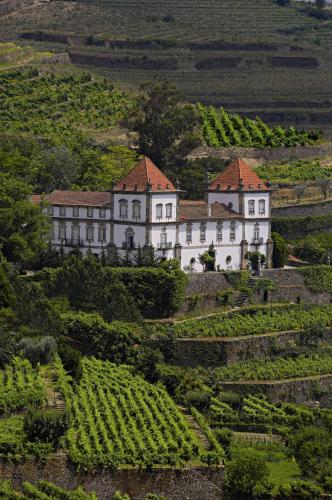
x=54, y=398
x=195, y=427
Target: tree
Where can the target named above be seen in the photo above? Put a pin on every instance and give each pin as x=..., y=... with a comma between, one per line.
x=310, y=250
x=324, y=185
x=163, y=122
x=320, y=4
x=247, y=475
x=22, y=224
x=280, y=251
x=299, y=191
x=312, y=447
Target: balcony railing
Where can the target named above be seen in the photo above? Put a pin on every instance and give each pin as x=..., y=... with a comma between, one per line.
x=164, y=245
x=73, y=242
x=128, y=246
x=257, y=241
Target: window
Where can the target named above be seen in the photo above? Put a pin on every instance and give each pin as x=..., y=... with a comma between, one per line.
x=219, y=232
x=159, y=211
x=62, y=232
x=251, y=207
x=202, y=232
x=89, y=233
x=123, y=209
x=136, y=207
x=168, y=210
x=256, y=232
x=75, y=211
x=163, y=236
x=75, y=235
x=232, y=231
x=90, y=211
x=51, y=232
x=101, y=233
x=228, y=259
x=62, y=211
x=130, y=243
x=261, y=207
x=50, y=210
x=102, y=213
x=189, y=233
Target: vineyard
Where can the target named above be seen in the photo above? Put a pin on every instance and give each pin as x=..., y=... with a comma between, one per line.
x=294, y=171
x=222, y=129
x=118, y=418
x=280, y=368
x=42, y=103
x=251, y=321
x=43, y=490
x=20, y=386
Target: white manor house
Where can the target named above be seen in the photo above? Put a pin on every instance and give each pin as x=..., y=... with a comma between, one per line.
x=144, y=209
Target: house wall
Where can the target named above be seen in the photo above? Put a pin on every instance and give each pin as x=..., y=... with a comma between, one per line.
x=129, y=198
x=164, y=199
x=256, y=197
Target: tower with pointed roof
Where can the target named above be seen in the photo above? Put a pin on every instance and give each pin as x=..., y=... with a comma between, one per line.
x=145, y=208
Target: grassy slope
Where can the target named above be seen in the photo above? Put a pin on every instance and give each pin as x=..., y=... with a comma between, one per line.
x=271, y=89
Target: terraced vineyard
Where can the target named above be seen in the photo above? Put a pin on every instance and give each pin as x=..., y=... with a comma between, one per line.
x=20, y=386
x=43, y=490
x=251, y=321
x=253, y=57
x=222, y=129
x=118, y=418
x=280, y=368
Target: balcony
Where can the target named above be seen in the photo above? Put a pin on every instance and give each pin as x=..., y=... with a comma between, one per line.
x=164, y=245
x=128, y=246
x=73, y=242
x=257, y=241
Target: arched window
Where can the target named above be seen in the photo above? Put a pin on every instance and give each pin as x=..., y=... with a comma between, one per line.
x=168, y=210
x=89, y=233
x=101, y=233
x=261, y=207
x=232, y=231
x=202, y=232
x=62, y=231
x=130, y=242
x=228, y=259
x=256, y=232
x=189, y=233
x=251, y=207
x=75, y=234
x=219, y=231
x=136, y=209
x=123, y=209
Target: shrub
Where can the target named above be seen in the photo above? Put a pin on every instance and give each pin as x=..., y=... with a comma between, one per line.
x=280, y=252
x=47, y=426
x=299, y=490
x=247, y=475
x=70, y=358
x=38, y=350
x=311, y=447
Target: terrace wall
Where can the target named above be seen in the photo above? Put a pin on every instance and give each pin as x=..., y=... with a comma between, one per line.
x=305, y=390
x=217, y=351
x=303, y=210
x=199, y=483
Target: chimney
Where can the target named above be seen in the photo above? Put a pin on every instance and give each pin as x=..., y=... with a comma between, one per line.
x=209, y=209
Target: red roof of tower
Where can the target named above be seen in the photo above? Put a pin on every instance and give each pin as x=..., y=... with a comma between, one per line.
x=238, y=176
x=144, y=173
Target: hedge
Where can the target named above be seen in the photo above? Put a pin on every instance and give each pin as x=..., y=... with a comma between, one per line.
x=317, y=278
x=297, y=227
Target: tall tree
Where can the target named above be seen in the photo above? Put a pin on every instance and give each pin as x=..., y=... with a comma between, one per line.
x=164, y=123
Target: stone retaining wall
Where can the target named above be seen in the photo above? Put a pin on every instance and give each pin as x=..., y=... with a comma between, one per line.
x=219, y=351
x=303, y=210
x=305, y=390
x=200, y=483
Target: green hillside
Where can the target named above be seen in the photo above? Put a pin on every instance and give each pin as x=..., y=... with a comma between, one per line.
x=253, y=57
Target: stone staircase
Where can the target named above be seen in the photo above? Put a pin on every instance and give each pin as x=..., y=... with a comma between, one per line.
x=196, y=428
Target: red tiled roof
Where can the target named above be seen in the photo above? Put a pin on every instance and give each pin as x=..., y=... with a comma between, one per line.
x=238, y=175
x=190, y=210
x=36, y=198
x=144, y=173
x=81, y=198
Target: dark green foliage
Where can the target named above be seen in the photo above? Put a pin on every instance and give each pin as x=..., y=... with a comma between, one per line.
x=280, y=252
x=47, y=426
x=310, y=251
x=292, y=228
x=115, y=341
x=40, y=350
x=299, y=490
x=312, y=448
x=247, y=475
x=70, y=358
x=318, y=278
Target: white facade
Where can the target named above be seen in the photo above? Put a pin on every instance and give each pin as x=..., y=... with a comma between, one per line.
x=234, y=219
